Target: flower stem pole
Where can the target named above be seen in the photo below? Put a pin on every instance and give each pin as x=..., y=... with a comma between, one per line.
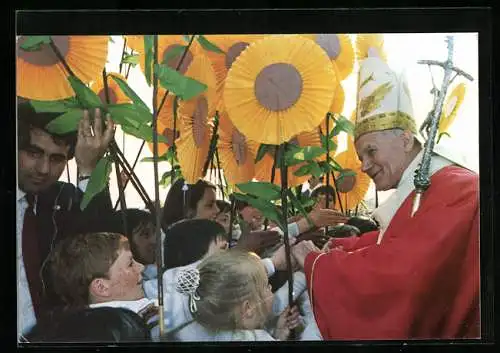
x=328, y=116
x=273, y=176
x=159, y=110
x=284, y=207
x=159, y=248
x=121, y=194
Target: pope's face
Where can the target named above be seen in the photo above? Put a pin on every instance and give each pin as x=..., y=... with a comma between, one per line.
x=384, y=157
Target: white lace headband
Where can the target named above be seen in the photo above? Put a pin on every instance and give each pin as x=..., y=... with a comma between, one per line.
x=187, y=282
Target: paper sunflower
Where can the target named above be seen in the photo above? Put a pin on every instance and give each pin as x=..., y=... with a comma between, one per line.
x=166, y=44
x=195, y=121
x=352, y=189
x=232, y=47
x=279, y=87
x=236, y=152
x=165, y=123
x=40, y=75
x=370, y=45
x=116, y=95
x=453, y=103
x=263, y=168
x=339, y=49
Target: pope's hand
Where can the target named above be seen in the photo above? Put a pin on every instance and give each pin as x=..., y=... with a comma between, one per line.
x=302, y=249
x=327, y=217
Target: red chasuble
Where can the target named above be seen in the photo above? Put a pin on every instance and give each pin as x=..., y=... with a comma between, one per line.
x=422, y=281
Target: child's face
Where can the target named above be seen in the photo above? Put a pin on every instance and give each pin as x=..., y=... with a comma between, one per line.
x=207, y=207
x=253, y=217
x=264, y=305
x=125, y=279
x=144, y=240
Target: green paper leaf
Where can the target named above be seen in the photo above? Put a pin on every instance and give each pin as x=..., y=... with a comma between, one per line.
x=98, y=181
x=34, y=43
x=130, y=115
x=132, y=59
x=304, y=170
x=182, y=86
x=162, y=158
x=332, y=146
x=66, y=122
x=297, y=155
x=261, y=189
x=129, y=92
x=144, y=132
x=315, y=169
x=343, y=124
x=148, y=62
x=208, y=45
x=186, y=38
x=85, y=95
x=261, y=152
x=299, y=206
x=58, y=106
x=268, y=209
x=173, y=52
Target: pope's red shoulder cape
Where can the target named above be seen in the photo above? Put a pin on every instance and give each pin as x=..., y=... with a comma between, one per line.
x=422, y=281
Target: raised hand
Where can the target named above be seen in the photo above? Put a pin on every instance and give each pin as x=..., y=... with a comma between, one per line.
x=327, y=217
x=92, y=142
x=257, y=241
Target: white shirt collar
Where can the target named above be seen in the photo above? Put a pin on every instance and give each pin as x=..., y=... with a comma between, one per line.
x=20, y=194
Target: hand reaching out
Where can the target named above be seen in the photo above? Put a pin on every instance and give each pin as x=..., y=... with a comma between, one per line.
x=300, y=251
x=327, y=217
x=92, y=141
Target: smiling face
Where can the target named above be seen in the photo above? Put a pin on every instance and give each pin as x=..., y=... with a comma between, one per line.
x=124, y=282
x=385, y=155
x=41, y=163
x=207, y=208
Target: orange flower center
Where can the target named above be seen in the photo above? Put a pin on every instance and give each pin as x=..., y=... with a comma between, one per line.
x=278, y=86
x=330, y=44
x=200, y=120
x=113, y=98
x=347, y=183
x=169, y=134
x=239, y=147
x=233, y=52
x=45, y=56
x=173, y=61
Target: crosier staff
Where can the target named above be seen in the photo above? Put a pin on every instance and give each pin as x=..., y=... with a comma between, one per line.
x=431, y=123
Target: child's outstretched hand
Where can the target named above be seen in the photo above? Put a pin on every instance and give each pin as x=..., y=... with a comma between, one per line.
x=287, y=321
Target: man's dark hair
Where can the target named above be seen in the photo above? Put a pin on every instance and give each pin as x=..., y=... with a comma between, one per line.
x=364, y=224
x=174, y=209
x=188, y=240
x=103, y=324
x=28, y=118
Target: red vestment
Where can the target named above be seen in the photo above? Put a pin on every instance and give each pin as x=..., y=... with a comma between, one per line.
x=422, y=281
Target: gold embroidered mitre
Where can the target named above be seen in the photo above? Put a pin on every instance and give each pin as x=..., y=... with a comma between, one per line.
x=384, y=100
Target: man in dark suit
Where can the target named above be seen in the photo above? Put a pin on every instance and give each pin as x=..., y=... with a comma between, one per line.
x=47, y=209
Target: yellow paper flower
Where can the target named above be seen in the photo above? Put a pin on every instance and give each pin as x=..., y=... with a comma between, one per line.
x=450, y=109
x=166, y=44
x=116, y=95
x=195, y=121
x=232, y=45
x=352, y=189
x=279, y=87
x=40, y=75
x=339, y=49
x=263, y=168
x=236, y=152
x=370, y=45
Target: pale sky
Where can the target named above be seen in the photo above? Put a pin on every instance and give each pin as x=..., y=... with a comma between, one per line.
x=403, y=51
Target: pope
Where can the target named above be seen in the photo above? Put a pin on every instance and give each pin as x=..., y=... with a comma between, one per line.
x=416, y=277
